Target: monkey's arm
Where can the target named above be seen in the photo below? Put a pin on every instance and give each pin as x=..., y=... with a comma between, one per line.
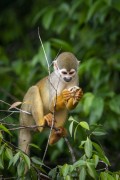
x=72, y=97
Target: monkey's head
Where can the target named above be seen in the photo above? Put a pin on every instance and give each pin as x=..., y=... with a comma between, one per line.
x=65, y=66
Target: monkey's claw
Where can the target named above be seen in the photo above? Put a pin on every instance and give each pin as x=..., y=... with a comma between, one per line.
x=49, y=118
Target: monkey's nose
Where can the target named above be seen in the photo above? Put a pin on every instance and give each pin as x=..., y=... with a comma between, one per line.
x=67, y=79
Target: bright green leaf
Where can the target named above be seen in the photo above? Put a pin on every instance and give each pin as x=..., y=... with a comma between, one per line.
x=88, y=99
x=27, y=160
x=82, y=175
x=79, y=163
x=3, y=128
x=2, y=148
x=21, y=168
x=68, y=177
x=96, y=159
x=34, y=145
x=91, y=170
x=65, y=169
x=1, y=163
x=9, y=153
x=48, y=17
x=84, y=125
x=114, y=104
x=71, y=128
x=16, y=157
x=88, y=148
x=96, y=109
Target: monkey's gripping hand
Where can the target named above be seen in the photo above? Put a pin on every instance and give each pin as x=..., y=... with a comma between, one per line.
x=72, y=96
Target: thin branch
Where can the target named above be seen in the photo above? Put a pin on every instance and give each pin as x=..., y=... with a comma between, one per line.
x=19, y=110
x=44, y=51
x=56, y=93
x=70, y=150
x=6, y=117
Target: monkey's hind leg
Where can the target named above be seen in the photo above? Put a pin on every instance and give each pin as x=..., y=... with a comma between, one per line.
x=24, y=140
x=37, y=108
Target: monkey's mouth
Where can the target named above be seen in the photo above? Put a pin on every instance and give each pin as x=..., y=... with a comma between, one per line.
x=67, y=79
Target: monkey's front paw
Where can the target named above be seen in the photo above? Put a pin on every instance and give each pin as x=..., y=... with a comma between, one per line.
x=49, y=118
x=78, y=95
x=66, y=94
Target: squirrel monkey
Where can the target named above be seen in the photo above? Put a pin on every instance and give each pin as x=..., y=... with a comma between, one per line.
x=50, y=99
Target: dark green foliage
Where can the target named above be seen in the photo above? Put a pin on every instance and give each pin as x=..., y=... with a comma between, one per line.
x=90, y=29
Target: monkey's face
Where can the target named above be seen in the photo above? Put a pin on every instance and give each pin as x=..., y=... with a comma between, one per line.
x=64, y=74
x=67, y=76
x=65, y=66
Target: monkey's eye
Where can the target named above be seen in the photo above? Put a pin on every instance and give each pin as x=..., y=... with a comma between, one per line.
x=72, y=72
x=64, y=72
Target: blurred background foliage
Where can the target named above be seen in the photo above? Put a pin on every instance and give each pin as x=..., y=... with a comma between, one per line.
x=91, y=30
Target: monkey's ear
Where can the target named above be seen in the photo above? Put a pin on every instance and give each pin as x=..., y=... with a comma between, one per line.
x=55, y=65
x=78, y=62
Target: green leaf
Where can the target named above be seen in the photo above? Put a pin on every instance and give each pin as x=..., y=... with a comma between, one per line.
x=48, y=17
x=53, y=172
x=3, y=128
x=88, y=99
x=10, y=163
x=79, y=163
x=101, y=153
x=88, y=148
x=2, y=148
x=75, y=131
x=82, y=175
x=61, y=44
x=93, y=9
x=96, y=109
x=68, y=177
x=91, y=170
x=98, y=148
x=84, y=125
x=1, y=163
x=114, y=104
x=38, y=162
x=96, y=159
x=26, y=159
x=99, y=133
x=9, y=153
x=16, y=157
x=65, y=169
x=71, y=128
x=72, y=119
x=116, y=5
x=21, y=168
x=34, y=145
x=105, y=175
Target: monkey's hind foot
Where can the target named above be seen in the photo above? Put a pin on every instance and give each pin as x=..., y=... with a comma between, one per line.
x=62, y=132
x=49, y=118
x=57, y=135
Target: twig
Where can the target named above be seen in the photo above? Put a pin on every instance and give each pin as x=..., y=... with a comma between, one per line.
x=44, y=51
x=55, y=90
x=70, y=150
x=6, y=117
x=19, y=110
